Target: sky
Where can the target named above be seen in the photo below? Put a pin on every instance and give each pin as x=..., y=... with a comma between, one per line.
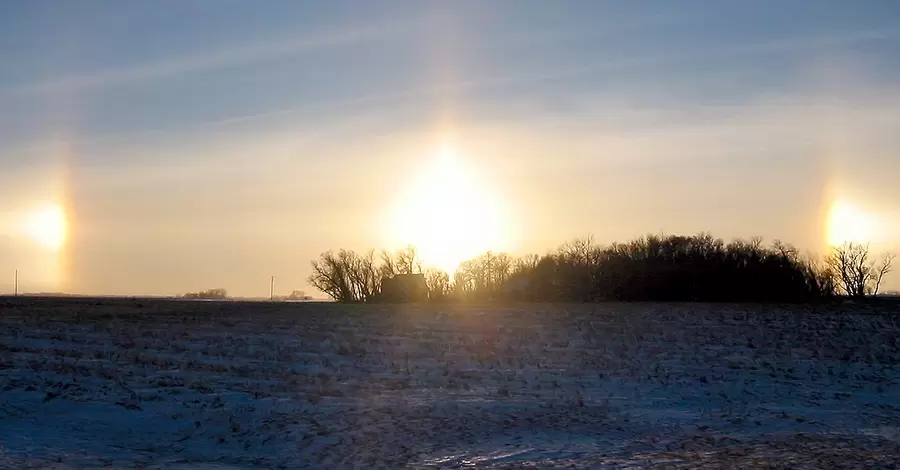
x=172, y=146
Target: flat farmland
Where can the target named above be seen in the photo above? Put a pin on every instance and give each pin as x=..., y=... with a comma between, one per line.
x=104, y=383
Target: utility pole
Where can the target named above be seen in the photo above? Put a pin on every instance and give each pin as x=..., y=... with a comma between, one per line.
x=272, y=289
x=17, y=282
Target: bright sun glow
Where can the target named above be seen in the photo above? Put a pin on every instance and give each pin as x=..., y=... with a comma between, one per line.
x=847, y=223
x=47, y=227
x=448, y=217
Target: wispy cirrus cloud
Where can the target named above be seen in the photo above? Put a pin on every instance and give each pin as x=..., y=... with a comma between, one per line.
x=499, y=81
x=235, y=55
x=639, y=62
x=282, y=48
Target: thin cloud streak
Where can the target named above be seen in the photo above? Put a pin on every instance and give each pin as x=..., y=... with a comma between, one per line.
x=246, y=53
x=654, y=60
x=243, y=54
x=785, y=46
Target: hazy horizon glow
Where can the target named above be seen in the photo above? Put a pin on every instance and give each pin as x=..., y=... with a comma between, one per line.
x=246, y=140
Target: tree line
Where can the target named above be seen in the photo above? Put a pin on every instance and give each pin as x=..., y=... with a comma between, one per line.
x=654, y=268
x=210, y=294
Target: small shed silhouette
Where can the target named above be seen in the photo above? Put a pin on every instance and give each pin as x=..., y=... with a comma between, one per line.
x=404, y=288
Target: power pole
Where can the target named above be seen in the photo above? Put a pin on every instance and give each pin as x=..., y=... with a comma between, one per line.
x=17, y=283
x=272, y=289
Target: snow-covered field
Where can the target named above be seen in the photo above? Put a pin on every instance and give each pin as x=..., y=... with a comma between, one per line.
x=164, y=384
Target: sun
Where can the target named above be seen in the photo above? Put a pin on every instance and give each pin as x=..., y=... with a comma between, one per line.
x=847, y=223
x=47, y=227
x=448, y=216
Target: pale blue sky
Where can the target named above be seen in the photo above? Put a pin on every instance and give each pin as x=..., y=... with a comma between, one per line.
x=198, y=144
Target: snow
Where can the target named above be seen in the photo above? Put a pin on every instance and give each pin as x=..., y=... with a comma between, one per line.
x=244, y=385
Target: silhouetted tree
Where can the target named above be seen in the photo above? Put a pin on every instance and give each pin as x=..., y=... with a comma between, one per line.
x=521, y=282
x=438, y=282
x=653, y=267
x=346, y=276
x=657, y=267
x=483, y=277
x=524, y=264
x=211, y=294
x=408, y=261
x=403, y=261
x=883, y=268
x=856, y=274
x=577, y=263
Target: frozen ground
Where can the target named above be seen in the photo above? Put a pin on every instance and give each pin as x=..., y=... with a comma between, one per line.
x=156, y=384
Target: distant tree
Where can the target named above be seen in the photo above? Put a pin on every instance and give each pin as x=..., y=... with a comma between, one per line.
x=499, y=269
x=654, y=267
x=407, y=261
x=330, y=276
x=856, y=273
x=580, y=250
x=211, y=294
x=298, y=295
x=577, y=263
x=346, y=276
x=438, y=282
x=483, y=277
x=364, y=276
x=464, y=280
x=388, y=268
x=524, y=264
x=883, y=268
x=403, y=261
x=660, y=267
x=820, y=277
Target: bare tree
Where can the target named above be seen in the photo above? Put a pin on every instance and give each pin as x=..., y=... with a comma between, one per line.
x=407, y=261
x=580, y=251
x=329, y=276
x=464, y=279
x=501, y=267
x=346, y=276
x=364, y=278
x=653, y=267
x=857, y=275
x=211, y=294
x=883, y=268
x=387, y=269
x=525, y=264
x=438, y=283
x=820, y=275
x=483, y=277
x=786, y=250
x=403, y=261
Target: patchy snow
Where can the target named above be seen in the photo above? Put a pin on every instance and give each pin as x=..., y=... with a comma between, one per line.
x=215, y=386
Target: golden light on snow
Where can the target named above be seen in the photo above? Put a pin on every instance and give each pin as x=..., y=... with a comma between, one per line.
x=447, y=215
x=847, y=223
x=47, y=227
